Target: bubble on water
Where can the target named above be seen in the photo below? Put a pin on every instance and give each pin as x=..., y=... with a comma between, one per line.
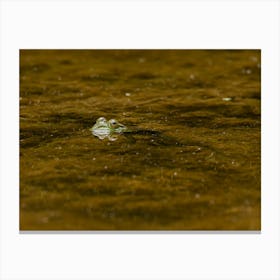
x=197, y=195
x=142, y=60
x=227, y=99
x=192, y=76
x=246, y=71
x=94, y=158
x=254, y=58
x=127, y=94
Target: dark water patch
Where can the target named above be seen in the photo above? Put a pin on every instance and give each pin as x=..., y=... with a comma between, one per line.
x=143, y=76
x=219, y=169
x=41, y=204
x=158, y=139
x=43, y=133
x=227, y=110
x=144, y=132
x=35, y=90
x=98, y=191
x=180, y=83
x=34, y=142
x=30, y=132
x=187, y=65
x=54, y=90
x=242, y=111
x=83, y=121
x=202, y=121
x=121, y=172
x=196, y=83
x=254, y=95
x=35, y=68
x=65, y=90
x=236, y=123
x=101, y=77
x=213, y=122
x=65, y=62
x=120, y=189
x=57, y=183
x=36, y=136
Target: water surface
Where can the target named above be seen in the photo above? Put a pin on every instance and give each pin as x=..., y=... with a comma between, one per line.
x=200, y=171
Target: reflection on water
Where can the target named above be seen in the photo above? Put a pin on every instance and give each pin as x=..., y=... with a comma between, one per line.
x=181, y=149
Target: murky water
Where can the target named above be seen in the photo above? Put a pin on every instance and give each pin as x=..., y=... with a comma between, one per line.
x=198, y=170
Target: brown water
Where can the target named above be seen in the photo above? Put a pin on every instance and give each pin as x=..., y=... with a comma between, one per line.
x=200, y=171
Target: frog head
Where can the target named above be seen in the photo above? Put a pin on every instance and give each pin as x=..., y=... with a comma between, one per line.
x=117, y=127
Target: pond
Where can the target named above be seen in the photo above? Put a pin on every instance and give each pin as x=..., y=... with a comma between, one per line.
x=190, y=161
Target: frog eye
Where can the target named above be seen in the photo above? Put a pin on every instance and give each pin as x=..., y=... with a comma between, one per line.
x=113, y=121
x=101, y=119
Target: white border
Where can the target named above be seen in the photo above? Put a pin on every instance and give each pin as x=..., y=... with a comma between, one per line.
x=135, y=24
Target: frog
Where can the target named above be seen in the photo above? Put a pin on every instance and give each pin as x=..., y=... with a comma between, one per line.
x=112, y=129
x=108, y=129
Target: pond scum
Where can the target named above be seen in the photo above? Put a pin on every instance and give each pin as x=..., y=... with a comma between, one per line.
x=199, y=170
